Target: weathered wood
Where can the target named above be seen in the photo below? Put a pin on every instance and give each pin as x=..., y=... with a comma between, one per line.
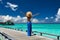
x=17, y=35
x=41, y=34
x=48, y=34
x=57, y=37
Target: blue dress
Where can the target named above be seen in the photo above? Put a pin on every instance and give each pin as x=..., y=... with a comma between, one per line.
x=29, y=28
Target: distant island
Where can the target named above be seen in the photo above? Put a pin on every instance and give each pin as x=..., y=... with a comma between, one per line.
x=7, y=23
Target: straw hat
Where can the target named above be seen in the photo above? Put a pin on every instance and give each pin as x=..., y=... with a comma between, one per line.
x=29, y=14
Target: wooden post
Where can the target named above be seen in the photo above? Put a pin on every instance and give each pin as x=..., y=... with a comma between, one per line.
x=21, y=30
x=18, y=29
x=26, y=30
x=57, y=37
x=41, y=34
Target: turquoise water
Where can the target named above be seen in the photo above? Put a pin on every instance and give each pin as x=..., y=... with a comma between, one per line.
x=48, y=28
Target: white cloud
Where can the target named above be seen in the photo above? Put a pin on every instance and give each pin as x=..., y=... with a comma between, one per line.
x=51, y=17
x=1, y=1
x=42, y=21
x=7, y=17
x=1, y=19
x=24, y=19
x=13, y=19
x=57, y=19
x=46, y=18
x=35, y=20
x=17, y=19
x=12, y=6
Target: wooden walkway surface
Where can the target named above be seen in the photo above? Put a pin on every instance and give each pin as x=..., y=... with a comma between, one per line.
x=19, y=35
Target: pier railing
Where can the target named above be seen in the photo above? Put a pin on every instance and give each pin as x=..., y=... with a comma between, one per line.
x=7, y=37
x=41, y=34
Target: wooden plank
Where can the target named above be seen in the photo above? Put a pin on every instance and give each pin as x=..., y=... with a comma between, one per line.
x=19, y=35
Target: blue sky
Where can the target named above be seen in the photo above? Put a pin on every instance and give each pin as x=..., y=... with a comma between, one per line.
x=45, y=8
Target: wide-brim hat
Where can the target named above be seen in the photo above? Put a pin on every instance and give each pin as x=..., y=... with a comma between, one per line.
x=29, y=14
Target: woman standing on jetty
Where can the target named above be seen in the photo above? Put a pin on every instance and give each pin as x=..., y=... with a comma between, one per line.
x=29, y=24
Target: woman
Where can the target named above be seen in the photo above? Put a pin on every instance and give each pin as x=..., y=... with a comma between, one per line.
x=29, y=24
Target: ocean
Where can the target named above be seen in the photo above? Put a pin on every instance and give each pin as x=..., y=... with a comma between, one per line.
x=46, y=28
